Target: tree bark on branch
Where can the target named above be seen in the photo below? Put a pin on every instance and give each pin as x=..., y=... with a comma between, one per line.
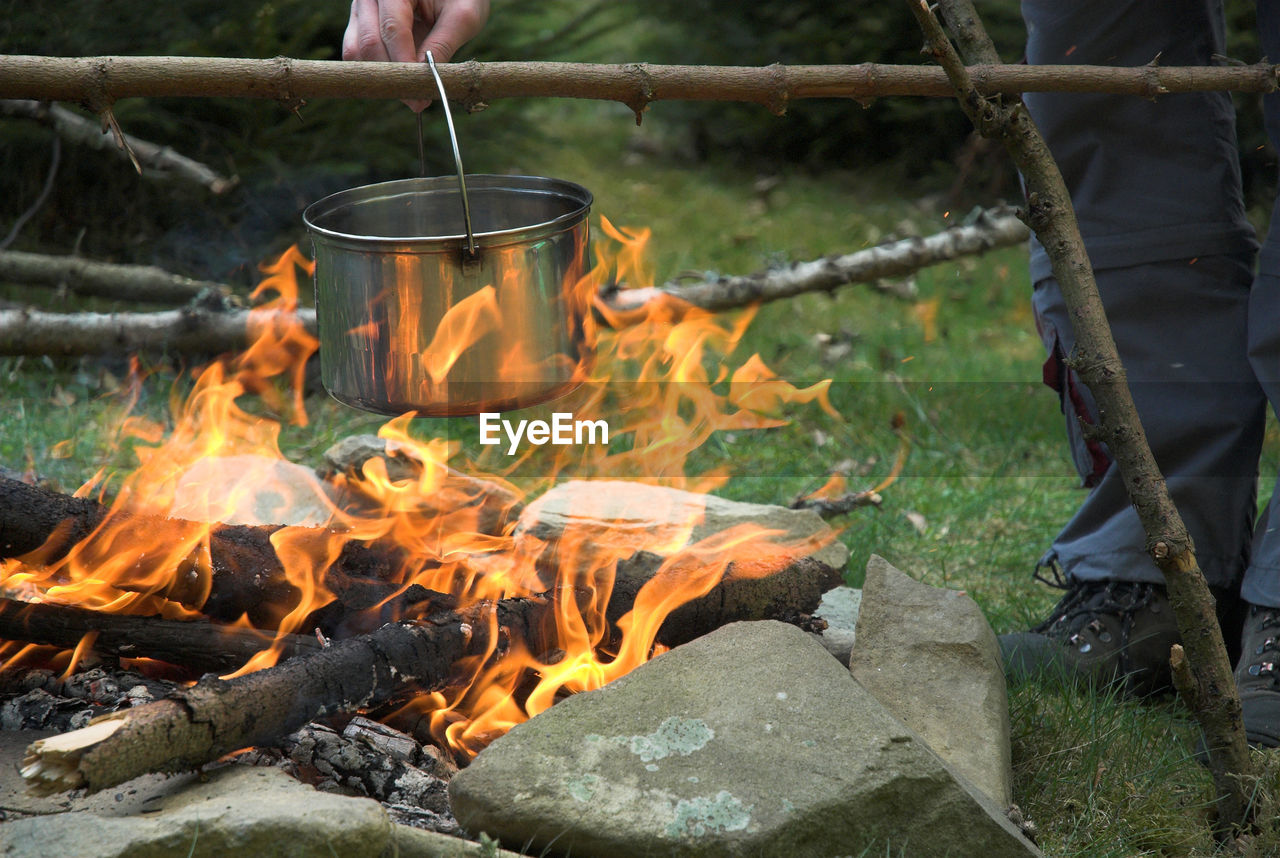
x=75, y=128
x=193, y=330
x=142, y=284
x=1212, y=696
x=99, y=81
x=213, y=718
x=991, y=229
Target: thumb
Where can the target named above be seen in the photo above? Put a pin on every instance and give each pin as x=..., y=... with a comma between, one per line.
x=456, y=24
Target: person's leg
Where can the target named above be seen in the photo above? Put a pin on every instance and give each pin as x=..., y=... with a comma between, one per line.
x=1156, y=187
x=1256, y=673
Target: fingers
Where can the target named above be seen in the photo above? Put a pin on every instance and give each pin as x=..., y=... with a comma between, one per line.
x=363, y=38
x=404, y=30
x=456, y=22
x=395, y=26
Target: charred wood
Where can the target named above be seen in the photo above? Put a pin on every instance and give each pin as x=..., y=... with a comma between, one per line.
x=245, y=574
x=198, y=645
x=215, y=717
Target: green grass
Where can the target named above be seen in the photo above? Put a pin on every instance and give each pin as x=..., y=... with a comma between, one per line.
x=986, y=485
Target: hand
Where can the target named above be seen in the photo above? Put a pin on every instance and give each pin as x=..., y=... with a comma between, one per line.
x=403, y=31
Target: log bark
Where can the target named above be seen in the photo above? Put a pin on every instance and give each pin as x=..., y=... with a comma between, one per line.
x=1215, y=701
x=193, y=330
x=74, y=128
x=218, y=716
x=246, y=576
x=200, y=646
x=143, y=284
x=990, y=229
x=215, y=717
x=99, y=81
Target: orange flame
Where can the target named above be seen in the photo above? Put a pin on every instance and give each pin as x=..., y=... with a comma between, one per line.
x=218, y=463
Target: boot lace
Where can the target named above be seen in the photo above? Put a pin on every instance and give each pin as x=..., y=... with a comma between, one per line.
x=1085, y=601
x=1263, y=659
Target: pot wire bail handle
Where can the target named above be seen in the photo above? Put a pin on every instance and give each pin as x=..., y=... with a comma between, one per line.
x=457, y=156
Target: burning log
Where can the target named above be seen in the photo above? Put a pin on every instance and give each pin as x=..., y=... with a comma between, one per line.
x=198, y=330
x=198, y=645
x=987, y=230
x=136, y=283
x=216, y=717
x=246, y=575
x=75, y=128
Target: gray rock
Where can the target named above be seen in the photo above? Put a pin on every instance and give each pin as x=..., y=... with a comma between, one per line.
x=839, y=608
x=657, y=519
x=238, y=812
x=749, y=741
x=466, y=502
x=349, y=455
x=930, y=657
x=251, y=489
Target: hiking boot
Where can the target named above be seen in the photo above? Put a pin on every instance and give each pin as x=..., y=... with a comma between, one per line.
x=1101, y=631
x=1258, y=676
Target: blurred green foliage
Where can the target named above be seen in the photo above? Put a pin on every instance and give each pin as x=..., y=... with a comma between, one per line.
x=917, y=134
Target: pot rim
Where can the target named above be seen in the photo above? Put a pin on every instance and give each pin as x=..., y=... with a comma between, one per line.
x=481, y=181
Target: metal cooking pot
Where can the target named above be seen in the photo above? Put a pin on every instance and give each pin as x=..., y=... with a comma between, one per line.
x=452, y=296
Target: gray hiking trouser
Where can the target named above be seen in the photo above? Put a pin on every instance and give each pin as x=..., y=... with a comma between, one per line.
x=1156, y=187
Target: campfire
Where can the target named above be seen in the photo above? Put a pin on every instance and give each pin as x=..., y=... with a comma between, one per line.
x=421, y=590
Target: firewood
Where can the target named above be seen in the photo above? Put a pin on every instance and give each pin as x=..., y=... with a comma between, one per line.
x=247, y=577
x=218, y=716
x=198, y=645
x=215, y=717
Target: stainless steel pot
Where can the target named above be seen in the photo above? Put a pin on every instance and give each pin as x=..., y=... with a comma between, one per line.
x=452, y=296
x=410, y=320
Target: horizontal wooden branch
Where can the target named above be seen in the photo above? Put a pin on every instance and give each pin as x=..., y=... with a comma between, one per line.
x=99, y=81
x=187, y=331
x=198, y=645
x=81, y=130
x=992, y=229
x=208, y=330
x=144, y=284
